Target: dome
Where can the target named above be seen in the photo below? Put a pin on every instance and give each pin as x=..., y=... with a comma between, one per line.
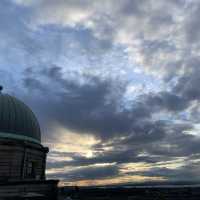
x=17, y=121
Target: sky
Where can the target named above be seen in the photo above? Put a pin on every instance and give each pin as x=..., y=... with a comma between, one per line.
x=113, y=83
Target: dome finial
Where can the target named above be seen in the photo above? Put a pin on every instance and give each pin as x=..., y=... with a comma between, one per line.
x=1, y=88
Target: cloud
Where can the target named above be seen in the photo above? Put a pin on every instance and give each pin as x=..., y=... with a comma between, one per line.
x=126, y=135
x=88, y=107
x=125, y=73
x=183, y=173
x=192, y=24
x=167, y=101
x=187, y=84
x=95, y=106
x=91, y=173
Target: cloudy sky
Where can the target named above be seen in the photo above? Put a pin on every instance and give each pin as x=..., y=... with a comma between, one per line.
x=114, y=84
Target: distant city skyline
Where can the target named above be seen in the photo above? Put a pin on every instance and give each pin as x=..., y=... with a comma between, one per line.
x=113, y=83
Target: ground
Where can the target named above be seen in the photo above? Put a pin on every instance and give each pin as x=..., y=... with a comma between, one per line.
x=134, y=193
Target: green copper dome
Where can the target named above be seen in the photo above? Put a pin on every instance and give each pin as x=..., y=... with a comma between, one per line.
x=17, y=121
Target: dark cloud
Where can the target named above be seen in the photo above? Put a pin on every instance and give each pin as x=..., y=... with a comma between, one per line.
x=188, y=84
x=89, y=173
x=132, y=134
x=133, y=7
x=116, y=157
x=88, y=107
x=192, y=37
x=34, y=84
x=94, y=107
x=174, y=146
x=186, y=172
x=151, y=150
x=167, y=101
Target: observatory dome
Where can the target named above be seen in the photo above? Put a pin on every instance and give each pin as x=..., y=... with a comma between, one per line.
x=17, y=121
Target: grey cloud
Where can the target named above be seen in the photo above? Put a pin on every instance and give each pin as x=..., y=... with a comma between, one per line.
x=168, y=147
x=188, y=85
x=88, y=173
x=34, y=84
x=85, y=108
x=188, y=172
x=89, y=107
x=118, y=157
x=168, y=101
x=192, y=27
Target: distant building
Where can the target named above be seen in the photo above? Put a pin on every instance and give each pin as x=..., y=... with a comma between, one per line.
x=22, y=156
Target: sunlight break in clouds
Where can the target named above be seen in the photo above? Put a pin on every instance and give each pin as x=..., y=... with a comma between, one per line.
x=71, y=142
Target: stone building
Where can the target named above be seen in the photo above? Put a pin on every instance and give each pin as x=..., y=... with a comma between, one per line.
x=22, y=156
